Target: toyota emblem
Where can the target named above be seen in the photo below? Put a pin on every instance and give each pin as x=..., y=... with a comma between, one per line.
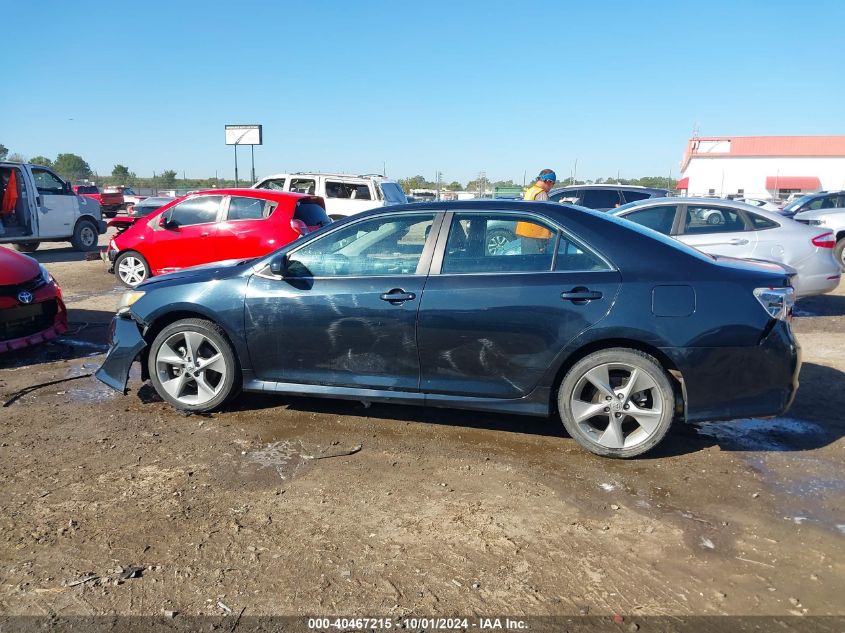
x=25, y=297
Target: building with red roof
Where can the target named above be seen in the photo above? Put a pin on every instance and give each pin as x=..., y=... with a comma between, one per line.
x=762, y=166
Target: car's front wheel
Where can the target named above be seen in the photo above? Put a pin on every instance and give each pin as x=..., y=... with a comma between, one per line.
x=131, y=268
x=85, y=236
x=617, y=402
x=192, y=365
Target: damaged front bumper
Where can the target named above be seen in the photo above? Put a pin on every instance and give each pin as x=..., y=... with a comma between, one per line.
x=125, y=343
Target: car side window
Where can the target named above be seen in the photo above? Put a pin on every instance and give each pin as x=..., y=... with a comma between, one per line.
x=571, y=196
x=47, y=183
x=199, y=210
x=601, y=198
x=633, y=196
x=274, y=184
x=353, y=190
x=705, y=219
x=391, y=245
x=760, y=223
x=498, y=242
x=573, y=256
x=816, y=203
x=659, y=218
x=303, y=185
x=249, y=209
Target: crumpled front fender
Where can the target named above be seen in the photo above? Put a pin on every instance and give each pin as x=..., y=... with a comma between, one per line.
x=125, y=343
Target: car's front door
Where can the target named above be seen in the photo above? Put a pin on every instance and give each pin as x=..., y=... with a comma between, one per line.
x=491, y=322
x=59, y=206
x=344, y=312
x=188, y=238
x=717, y=230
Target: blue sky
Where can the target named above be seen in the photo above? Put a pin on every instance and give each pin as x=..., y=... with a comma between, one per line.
x=507, y=87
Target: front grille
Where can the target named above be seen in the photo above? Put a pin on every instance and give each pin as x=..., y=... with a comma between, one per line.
x=30, y=286
x=26, y=320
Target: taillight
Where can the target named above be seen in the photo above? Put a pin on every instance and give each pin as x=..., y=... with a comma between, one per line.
x=299, y=226
x=778, y=302
x=130, y=210
x=825, y=240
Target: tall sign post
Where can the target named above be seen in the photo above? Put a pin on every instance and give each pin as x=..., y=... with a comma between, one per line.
x=244, y=135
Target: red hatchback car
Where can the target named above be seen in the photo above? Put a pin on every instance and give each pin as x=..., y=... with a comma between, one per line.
x=31, y=306
x=210, y=226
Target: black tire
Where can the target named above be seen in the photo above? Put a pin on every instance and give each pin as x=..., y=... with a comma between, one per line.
x=230, y=384
x=497, y=238
x=839, y=252
x=586, y=434
x=126, y=279
x=27, y=247
x=715, y=218
x=85, y=236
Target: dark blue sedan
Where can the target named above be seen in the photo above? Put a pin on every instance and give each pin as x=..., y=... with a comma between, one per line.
x=615, y=328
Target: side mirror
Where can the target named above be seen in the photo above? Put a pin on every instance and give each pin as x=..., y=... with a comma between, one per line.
x=69, y=189
x=279, y=265
x=165, y=223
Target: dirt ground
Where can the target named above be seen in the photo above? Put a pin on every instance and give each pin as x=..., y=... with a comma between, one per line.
x=439, y=512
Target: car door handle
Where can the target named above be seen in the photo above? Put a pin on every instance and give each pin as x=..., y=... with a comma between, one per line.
x=204, y=234
x=580, y=295
x=738, y=242
x=397, y=296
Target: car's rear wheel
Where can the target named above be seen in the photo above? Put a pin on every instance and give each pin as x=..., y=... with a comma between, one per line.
x=715, y=218
x=27, y=247
x=84, y=236
x=617, y=402
x=839, y=252
x=131, y=268
x=192, y=365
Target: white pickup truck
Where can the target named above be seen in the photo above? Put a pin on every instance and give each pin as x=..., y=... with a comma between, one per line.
x=37, y=206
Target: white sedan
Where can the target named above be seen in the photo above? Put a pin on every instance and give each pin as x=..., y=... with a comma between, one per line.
x=766, y=205
x=736, y=229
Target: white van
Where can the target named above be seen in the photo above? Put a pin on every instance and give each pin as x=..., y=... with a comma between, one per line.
x=344, y=194
x=37, y=206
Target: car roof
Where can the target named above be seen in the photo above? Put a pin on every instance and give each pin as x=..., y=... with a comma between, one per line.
x=270, y=194
x=722, y=202
x=607, y=186
x=376, y=177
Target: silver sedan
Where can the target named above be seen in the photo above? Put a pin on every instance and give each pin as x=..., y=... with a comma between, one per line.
x=735, y=229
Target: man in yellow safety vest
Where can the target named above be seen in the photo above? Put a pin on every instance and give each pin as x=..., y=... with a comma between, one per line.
x=538, y=192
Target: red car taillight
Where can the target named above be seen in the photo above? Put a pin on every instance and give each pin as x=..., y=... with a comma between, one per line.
x=825, y=240
x=299, y=226
x=130, y=209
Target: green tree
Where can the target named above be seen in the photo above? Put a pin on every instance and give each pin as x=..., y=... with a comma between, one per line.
x=168, y=178
x=454, y=186
x=4, y=151
x=121, y=174
x=415, y=182
x=16, y=158
x=41, y=160
x=72, y=167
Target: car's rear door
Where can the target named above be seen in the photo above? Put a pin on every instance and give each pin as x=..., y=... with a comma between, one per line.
x=345, y=311
x=717, y=230
x=246, y=228
x=491, y=322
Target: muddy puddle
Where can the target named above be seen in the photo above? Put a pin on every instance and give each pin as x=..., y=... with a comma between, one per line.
x=807, y=487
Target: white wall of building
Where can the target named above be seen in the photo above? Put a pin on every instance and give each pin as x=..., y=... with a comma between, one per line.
x=727, y=175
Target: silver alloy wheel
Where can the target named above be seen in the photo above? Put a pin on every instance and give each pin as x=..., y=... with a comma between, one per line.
x=495, y=243
x=87, y=236
x=617, y=405
x=190, y=368
x=132, y=270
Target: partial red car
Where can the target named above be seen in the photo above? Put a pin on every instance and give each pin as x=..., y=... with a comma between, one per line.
x=110, y=203
x=209, y=226
x=31, y=306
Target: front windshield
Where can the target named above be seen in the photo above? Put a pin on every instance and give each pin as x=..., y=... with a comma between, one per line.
x=797, y=202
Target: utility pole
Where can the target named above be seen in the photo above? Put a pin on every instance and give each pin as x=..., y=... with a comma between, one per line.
x=439, y=179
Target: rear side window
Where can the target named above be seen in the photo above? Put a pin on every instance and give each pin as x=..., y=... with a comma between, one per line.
x=712, y=220
x=601, y=198
x=575, y=257
x=200, y=210
x=349, y=190
x=303, y=185
x=274, y=184
x=393, y=193
x=87, y=189
x=633, y=196
x=572, y=196
x=760, y=223
x=250, y=209
x=311, y=213
x=658, y=218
